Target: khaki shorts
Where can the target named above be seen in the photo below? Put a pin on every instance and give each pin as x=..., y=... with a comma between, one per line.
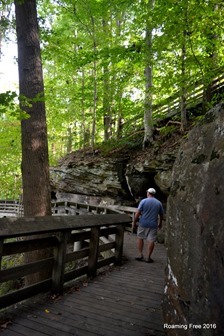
x=147, y=233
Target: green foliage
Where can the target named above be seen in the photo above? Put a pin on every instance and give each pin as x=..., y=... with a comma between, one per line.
x=6, y=263
x=10, y=158
x=167, y=130
x=10, y=144
x=129, y=143
x=93, y=56
x=9, y=106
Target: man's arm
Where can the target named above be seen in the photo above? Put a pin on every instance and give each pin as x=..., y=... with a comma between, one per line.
x=135, y=220
x=160, y=224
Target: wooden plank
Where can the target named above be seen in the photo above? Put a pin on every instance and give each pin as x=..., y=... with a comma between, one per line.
x=23, y=270
x=24, y=293
x=74, y=274
x=8, y=332
x=105, y=262
x=106, y=246
x=93, y=252
x=79, y=236
x=28, y=245
x=126, y=313
x=84, y=252
x=107, y=231
x=134, y=298
x=130, y=310
x=23, y=330
x=95, y=322
x=69, y=323
x=36, y=324
x=59, y=262
x=119, y=244
x=23, y=226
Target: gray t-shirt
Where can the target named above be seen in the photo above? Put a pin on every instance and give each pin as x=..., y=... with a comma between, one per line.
x=150, y=209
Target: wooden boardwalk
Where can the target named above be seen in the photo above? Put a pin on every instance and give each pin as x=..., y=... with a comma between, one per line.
x=124, y=301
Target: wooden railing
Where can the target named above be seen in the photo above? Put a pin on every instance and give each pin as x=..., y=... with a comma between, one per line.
x=170, y=106
x=74, y=208
x=62, y=232
x=10, y=208
x=130, y=211
x=63, y=207
x=195, y=95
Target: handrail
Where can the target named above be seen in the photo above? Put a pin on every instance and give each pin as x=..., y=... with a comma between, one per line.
x=65, y=207
x=62, y=232
x=170, y=106
x=62, y=207
x=13, y=207
x=77, y=208
x=194, y=97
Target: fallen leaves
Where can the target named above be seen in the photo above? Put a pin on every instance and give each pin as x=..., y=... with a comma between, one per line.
x=5, y=324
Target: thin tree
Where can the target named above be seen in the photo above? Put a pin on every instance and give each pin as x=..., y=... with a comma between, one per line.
x=148, y=124
x=210, y=61
x=35, y=165
x=183, y=89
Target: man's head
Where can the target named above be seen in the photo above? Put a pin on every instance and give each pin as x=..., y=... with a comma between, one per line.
x=151, y=191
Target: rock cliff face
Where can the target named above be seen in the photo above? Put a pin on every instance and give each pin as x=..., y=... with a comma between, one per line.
x=91, y=178
x=194, y=292
x=121, y=179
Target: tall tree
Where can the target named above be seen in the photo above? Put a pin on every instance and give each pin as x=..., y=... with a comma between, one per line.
x=210, y=61
x=35, y=166
x=183, y=85
x=148, y=76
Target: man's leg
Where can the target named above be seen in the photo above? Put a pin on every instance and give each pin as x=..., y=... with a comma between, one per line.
x=152, y=236
x=140, y=245
x=151, y=245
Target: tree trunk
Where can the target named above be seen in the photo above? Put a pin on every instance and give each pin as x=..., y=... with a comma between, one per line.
x=94, y=76
x=35, y=165
x=211, y=62
x=148, y=124
x=84, y=139
x=107, y=117
x=183, y=97
x=69, y=140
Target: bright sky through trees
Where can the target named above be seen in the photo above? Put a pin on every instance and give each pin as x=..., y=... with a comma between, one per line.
x=8, y=67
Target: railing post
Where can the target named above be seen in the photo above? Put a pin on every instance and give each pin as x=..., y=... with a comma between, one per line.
x=93, y=251
x=59, y=263
x=119, y=241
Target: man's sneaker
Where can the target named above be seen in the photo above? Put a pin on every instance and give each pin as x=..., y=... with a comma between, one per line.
x=149, y=260
x=139, y=258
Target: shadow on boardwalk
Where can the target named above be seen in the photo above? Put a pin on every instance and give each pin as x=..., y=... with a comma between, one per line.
x=124, y=301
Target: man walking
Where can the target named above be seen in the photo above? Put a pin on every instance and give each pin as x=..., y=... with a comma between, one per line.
x=150, y=211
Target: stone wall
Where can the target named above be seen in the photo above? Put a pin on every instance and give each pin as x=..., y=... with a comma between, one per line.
x=194, y=291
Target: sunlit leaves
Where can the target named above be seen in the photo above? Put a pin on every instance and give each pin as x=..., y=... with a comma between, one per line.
x=9, y=105
x=77, y=36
